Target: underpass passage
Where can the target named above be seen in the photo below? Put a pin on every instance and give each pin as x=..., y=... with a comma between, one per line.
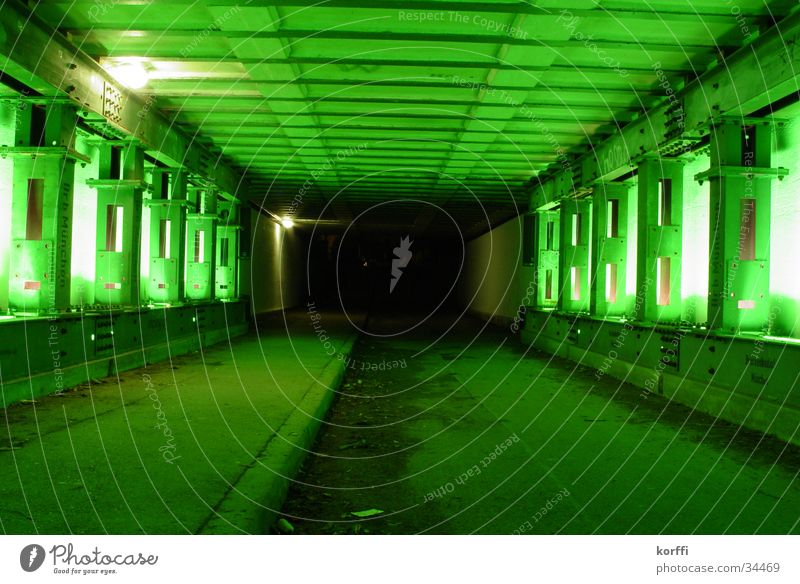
x=611, y=183
x=462, y=430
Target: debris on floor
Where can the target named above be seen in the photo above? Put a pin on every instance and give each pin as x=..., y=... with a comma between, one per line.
x=366, y=513
x=357, y=444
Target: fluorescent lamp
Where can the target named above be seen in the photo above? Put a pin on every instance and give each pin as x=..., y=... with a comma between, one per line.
x=131, y=74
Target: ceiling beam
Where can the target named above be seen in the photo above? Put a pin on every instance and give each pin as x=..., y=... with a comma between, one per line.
x=489, y=7
x=561, y=101
x=597, y=93
x=448, y=121
x=456, y=84
x=381, y=180
x=323, y=155
x=228, y=58
x=586, y=114
x=149, y=34
x=321, y=128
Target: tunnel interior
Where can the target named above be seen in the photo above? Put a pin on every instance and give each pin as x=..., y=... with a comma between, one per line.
x=352, y=267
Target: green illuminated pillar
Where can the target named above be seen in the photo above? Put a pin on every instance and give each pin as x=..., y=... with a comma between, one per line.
x=243, y=285
x=574, y=264
x=41, y=207
x=227, y=253
x=659, y=243
x=119, y=219
x=546, y=244
x=165, y=283
x=200, y=239
x=740, y=183
x=609, y=249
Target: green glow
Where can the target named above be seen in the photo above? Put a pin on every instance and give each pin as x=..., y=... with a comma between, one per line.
x=130, y=73
x=6, y=137
x=144, y=259
x=84, y=229
x=630, y=266
x=784, y=233
x=119, y=218
x=694, y=276
x=782, y=339
x=167, y=237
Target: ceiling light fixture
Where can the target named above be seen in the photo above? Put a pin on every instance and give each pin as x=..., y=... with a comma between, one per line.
x=131, y=74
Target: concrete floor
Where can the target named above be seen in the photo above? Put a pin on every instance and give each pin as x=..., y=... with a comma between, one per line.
x=475, y=435
x=187, y=446
x=206, y=443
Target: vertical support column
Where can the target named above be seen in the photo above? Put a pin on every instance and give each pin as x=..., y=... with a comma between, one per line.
x=740, y=180
x=227, y=254
x=200, y=244
x=119, y=222
x=609, y=249
x=659, y=245
x=167, y=234
x=41, y=207
x=528, y=240
x=243, y=285
x=574, y=264
x=546, y=242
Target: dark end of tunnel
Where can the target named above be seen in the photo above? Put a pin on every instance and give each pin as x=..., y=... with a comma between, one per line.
x=389, y=275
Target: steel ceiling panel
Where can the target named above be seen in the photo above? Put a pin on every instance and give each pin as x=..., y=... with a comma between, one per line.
x=491, y=92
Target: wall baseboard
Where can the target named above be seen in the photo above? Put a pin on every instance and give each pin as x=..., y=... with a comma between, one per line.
x=746, y=381
x=46, y=355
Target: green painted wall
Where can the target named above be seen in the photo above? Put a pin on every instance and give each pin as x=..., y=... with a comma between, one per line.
x=6, y=168
x=694, y=277
x=277, y=269
x=84, y=228
x=785, y=232
x=494, y=282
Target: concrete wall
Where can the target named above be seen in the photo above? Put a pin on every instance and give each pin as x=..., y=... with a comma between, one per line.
x=784, y=277
x=686, y=366
x=275, y=278
x=63, y=351
x=494, y=282
x=6, y=172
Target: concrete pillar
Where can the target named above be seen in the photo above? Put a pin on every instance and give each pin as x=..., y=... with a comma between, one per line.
x=574, y=259
x=546, y=258
x=227, y=253
x=659, y=245
x=740, y=195
x=609, y=249
x=119, y=189
x=200, y=245
x=243, y=282
x=41, y=207
x=167, y=235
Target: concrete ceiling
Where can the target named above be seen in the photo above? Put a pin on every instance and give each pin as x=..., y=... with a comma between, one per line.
x=333, y=107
